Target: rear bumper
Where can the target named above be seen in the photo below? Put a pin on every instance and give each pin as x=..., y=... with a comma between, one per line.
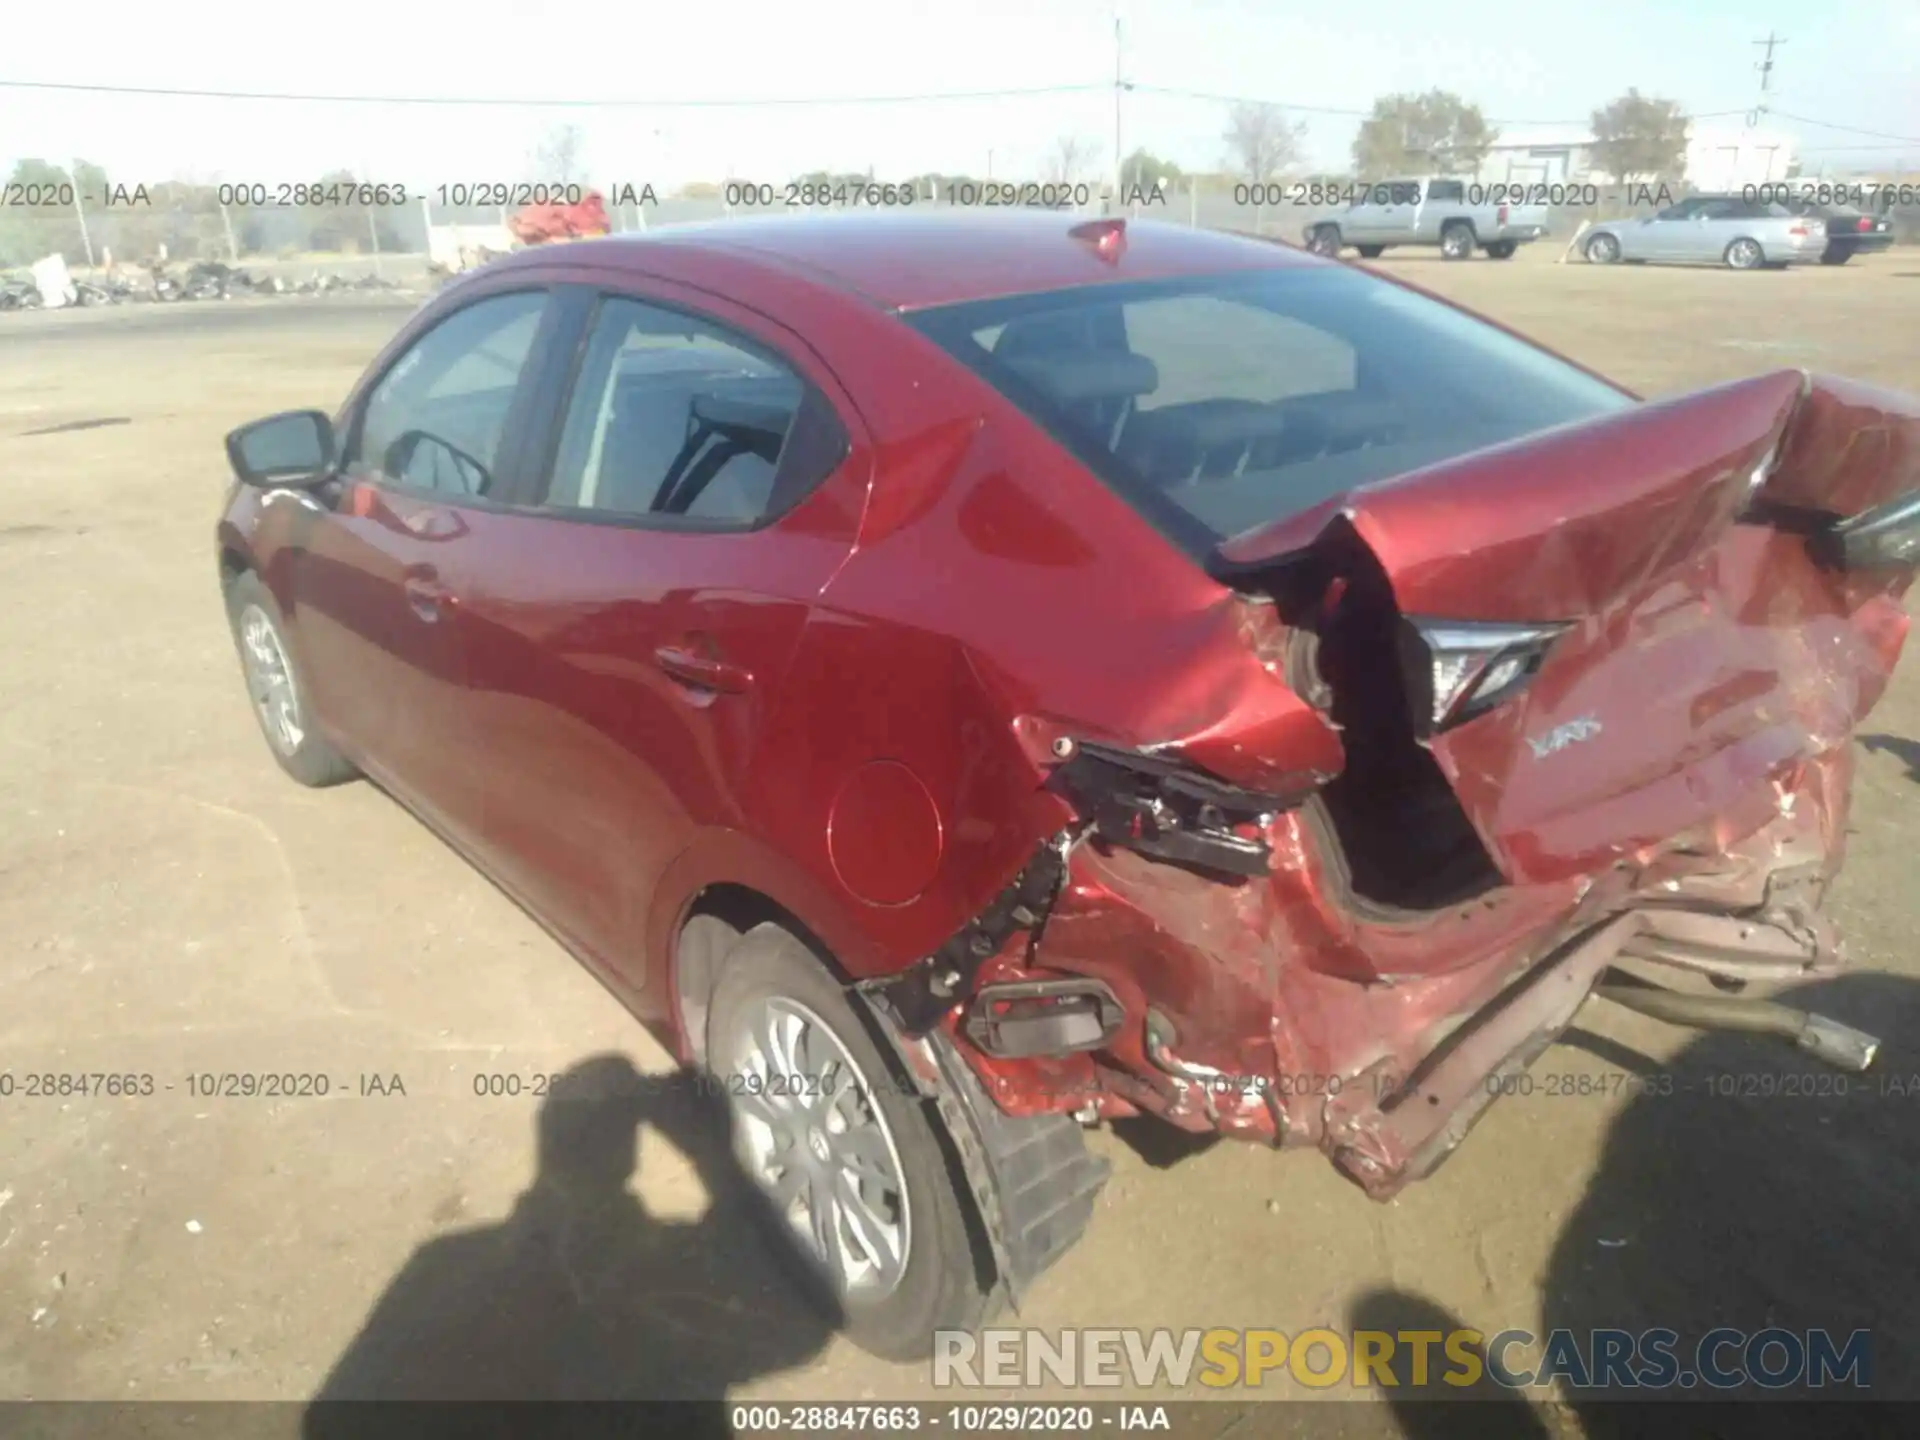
x=1396, y=1133
x=1858, y=244
x=1238, y=1018
x=1808, y=253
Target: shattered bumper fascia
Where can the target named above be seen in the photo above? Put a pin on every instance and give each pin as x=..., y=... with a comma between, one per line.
x=1230, y=1030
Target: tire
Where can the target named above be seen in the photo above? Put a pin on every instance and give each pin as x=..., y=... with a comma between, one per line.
x=1501, y=250
x=776, y=1005
x=1744, y=254
x=1601, y=249
x=278, y=689
x=1324, y=240
x=1456, y=241
x=1370, y=252
x=1830, y=256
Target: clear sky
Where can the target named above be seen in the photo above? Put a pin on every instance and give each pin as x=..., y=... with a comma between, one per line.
x=1850, y=63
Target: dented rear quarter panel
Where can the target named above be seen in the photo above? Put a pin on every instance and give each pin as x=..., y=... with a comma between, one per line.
x=1000, y=595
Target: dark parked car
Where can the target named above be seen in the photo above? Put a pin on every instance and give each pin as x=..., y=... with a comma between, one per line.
x=962, y=678
x=1850, y=231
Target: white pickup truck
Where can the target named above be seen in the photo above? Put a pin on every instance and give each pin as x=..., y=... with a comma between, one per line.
x=1457, y=215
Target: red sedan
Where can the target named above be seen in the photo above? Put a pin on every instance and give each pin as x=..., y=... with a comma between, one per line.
x=961, y=679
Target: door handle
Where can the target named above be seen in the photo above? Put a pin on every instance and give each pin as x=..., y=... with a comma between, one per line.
x=424, y=592
x=703, y=672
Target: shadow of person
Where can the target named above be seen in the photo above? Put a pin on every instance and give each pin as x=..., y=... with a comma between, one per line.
x=1419, y=1396
x=581, y=1293
x=1765, y=1190
x=1902, y=749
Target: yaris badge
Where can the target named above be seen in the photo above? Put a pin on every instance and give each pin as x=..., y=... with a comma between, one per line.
x=1561, y=736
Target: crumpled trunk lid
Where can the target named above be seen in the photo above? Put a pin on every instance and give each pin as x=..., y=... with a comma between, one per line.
x=1705, y=637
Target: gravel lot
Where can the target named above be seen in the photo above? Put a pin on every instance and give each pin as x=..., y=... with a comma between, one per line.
x=170, y=905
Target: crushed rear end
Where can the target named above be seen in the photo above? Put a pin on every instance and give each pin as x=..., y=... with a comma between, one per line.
x=1578, y=709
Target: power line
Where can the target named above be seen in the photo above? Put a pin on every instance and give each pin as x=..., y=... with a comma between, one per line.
x=733, y=104
x=1110, y=86
x=549, y=102
x=1849, y=129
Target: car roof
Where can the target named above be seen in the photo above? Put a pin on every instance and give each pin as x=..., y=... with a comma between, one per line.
x=903, y=260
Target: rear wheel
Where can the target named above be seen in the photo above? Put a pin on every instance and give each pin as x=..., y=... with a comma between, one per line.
x=1370, y=252
x=1832, y=256
x=1602, y=249
x=1501, y=249
x=1744, y=254
x=277, y=689
x=849, y=1157
x=1324, y=240
x=1456, y=241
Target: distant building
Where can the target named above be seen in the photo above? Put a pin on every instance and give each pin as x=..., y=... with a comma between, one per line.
x=1718, y=157
x=1552, y=155
x=1726, y=157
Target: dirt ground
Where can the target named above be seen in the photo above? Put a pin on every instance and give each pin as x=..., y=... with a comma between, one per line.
x=171, y=906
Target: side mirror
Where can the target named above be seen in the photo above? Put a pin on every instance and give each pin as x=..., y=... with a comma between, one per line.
x=437, y=461
x=294, y=448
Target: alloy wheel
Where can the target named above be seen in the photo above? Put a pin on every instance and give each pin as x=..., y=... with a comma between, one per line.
x=270, y=680
x=812, y=1135
x=1743, y=255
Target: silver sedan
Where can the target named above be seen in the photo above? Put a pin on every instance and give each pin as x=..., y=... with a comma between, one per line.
x=1712, y=230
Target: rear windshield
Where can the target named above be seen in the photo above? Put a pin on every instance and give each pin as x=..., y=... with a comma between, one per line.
x=1220, y=404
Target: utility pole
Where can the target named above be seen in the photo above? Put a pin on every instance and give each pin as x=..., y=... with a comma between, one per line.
x=1119, y=88
x=1765, y=67
x=80, y=211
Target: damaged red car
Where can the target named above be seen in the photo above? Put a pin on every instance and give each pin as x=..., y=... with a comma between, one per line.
x=962, y=679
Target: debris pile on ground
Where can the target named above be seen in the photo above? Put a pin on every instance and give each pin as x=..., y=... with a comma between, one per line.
x=202, y=280
x=584, y=219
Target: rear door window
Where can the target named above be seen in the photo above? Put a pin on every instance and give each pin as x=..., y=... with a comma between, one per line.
x=676, y=418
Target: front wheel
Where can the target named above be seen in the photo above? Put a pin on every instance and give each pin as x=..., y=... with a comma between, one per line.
x=1325, y=240
x=1370, y=252
x=1456, y=242
x=1836, y=257
x=1744, y=254
x=848, y=1156
x=277, y=689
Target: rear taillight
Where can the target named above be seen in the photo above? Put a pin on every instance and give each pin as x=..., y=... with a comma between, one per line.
x=1799, y=230
x=1501, y=215
x=1863, y=223
x=1457, y=669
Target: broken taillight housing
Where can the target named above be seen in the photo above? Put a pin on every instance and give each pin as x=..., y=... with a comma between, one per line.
x=1884, y=538
x=1458, y=669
